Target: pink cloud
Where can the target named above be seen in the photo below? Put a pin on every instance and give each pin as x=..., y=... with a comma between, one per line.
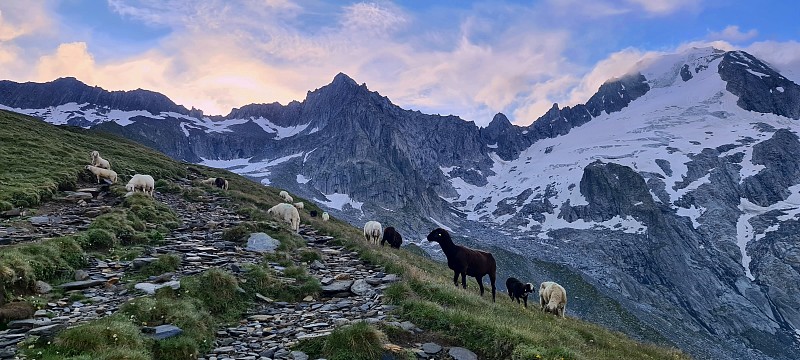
x=733, y=34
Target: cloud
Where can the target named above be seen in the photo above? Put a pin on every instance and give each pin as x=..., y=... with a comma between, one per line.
x=666, y=7
x=21, y=18
x=732, y=34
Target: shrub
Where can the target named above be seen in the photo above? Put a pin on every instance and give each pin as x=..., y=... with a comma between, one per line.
x=101, y=336
x=165, y=263
x=354, y=342
x=98, y=239
x=218, y=291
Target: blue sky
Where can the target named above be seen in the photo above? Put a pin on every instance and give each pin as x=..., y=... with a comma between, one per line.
x=468, y=58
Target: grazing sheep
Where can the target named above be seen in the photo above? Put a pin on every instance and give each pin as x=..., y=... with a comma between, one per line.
x=465, y=261
x=313, y=213
x=102, y=173
x=299, y=205
x=286, y=197
x=372, y=231
x=144, y=182
x=288, y=213
x=552, y=298
x=518, y=290
x=221, y=183
x=391, y=236
x=99, y=161
x=209, y=181
x=325, y=216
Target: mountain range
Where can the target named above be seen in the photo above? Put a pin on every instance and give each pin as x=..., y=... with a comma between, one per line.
x=673, y=191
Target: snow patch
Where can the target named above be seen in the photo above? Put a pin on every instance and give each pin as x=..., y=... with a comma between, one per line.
x=693, y=213
x=337, y=201
x=439, y=224
x=279, y=131
x=302, y=179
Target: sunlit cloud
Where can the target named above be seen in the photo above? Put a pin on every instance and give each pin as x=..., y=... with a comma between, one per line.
x=733, y=34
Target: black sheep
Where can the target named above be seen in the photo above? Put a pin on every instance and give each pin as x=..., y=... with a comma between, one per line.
x=313, y=213
x=219, y=182
x=465, y=261
x=391, y=236
x=518, y=290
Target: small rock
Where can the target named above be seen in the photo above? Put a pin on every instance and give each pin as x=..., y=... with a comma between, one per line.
x=42, y=287
x=308, y=298
x=299, y=355
x=28, y=323
x=459, y=353
x=431, y=348
x=262, y=243
x=361, y=287
x=80, y=285
x=77, y=196
x=317, y=265
x=162, y=332
x=81, y=275
x=337, y=287
x=151, y=288
x=342, y=277
x=15, y=212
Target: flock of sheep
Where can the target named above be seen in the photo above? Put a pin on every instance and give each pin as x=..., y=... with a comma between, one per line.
x=462, y=260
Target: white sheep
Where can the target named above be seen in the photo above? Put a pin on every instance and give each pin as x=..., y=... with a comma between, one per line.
x=209, y=181
x=553, y=298
x=299, y=205
x=102, y=173
x=144, y=182
x=373, y=231
x=99, y=161
x=286, y=197
x=325, y=216
x=288, y=213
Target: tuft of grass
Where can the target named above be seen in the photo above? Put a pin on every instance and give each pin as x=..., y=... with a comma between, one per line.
x=108, y=338
x=359, y=341
x=22, y=265
x=262, y=280
x=164, y=264
x=98, y=239
x=186, y=313
x=309, y=255
x=218, y=291
x=167, y=187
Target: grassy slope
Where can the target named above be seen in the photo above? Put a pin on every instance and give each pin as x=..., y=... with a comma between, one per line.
x=426, y=296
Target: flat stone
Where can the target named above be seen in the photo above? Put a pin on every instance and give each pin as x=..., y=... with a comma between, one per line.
x=78, y=195
x=28, y=323
x=262, y=243
x=337, y=287
x=47, y=330
x=162, y=332
x=261, y=317
x=390, y=278
x=264, y=298
x=44, y=219
x=431, y=348
x=361, y=287
x=151, y=288
x=459, y=353
x=80, y=285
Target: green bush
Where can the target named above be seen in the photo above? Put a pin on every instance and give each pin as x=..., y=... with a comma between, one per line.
x=5, y=206
x=164, y=264
x=21, y=265
x=102, y=336
x=98, y=239
x=359, y=341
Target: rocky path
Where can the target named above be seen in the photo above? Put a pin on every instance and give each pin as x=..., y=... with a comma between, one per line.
x=352, y=289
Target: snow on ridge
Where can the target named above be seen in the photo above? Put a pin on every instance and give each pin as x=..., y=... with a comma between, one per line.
x=338, y=201
x=439, y=224
x=302, y=179
x=279, y=131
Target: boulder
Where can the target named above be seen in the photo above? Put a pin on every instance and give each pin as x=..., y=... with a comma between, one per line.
x=262, y=243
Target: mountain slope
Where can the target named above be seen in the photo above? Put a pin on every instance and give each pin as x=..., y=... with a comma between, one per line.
x=673, y=190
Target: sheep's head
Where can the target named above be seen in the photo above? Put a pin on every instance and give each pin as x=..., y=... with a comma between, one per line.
x=438, y=235
x=95, y=154
x=528, y=288
x=129, y=187
x=88, y=167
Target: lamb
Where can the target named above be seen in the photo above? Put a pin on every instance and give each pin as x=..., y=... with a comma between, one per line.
x=391, y=236
x=288, y=213
x=144, y=182
x=221, y=183
x=102, y=173
x=465, y=261
x=299, y=205
x=517, y=290
x=285, y=196
x=372, y=231
x=99, y=161
x=325, y=216
x=552, y=298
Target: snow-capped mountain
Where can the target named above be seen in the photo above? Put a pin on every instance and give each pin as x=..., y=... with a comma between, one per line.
x=674, y=190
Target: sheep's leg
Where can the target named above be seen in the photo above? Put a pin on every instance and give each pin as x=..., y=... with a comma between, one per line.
x=464, y=280
x=455, y=278
x=480, y=284
x=525, y=299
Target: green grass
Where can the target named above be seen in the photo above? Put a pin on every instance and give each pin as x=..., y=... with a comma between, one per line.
x=263, y=280
x=164, y=264
x=359, y=341
x=39, y=159
x=22, y=265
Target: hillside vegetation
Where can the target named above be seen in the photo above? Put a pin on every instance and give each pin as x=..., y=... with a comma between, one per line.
x=38, y=161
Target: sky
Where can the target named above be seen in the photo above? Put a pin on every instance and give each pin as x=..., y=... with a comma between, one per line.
x=472, y=59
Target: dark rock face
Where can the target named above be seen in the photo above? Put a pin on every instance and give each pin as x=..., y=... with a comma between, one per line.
x=758, y=86
x=779, y=155
x=686, y=75
x=66, y=90
x=509, y=139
